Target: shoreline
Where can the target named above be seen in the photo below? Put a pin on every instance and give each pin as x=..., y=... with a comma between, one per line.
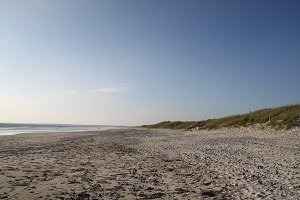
x=73, y=130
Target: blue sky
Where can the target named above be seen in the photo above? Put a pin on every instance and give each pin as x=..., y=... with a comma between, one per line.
x=132, y=62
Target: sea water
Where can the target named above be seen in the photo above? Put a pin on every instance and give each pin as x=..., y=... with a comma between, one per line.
x=15, y=128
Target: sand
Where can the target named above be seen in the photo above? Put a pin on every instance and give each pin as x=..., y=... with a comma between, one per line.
x=240, y=163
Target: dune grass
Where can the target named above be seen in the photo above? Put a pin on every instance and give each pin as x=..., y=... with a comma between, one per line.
x=284, y=117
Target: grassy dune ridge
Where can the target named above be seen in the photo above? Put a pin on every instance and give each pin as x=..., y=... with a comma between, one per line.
x=284, y=117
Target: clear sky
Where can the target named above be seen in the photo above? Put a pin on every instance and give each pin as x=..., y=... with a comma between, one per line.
x=132, y=62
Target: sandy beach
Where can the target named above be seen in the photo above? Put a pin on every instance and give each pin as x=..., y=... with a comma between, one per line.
x=237, y=163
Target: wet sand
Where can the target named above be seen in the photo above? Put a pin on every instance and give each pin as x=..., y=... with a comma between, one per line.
x=147, y=164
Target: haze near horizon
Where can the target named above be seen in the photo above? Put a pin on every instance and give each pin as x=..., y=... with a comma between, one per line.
x=140, y=62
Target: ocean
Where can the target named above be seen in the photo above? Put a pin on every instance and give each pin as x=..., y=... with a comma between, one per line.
x=14, y=128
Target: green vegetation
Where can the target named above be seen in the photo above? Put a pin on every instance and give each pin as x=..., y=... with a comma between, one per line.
x=284, y=117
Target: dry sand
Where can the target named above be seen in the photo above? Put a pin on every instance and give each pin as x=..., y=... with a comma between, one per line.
x=146, y=164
